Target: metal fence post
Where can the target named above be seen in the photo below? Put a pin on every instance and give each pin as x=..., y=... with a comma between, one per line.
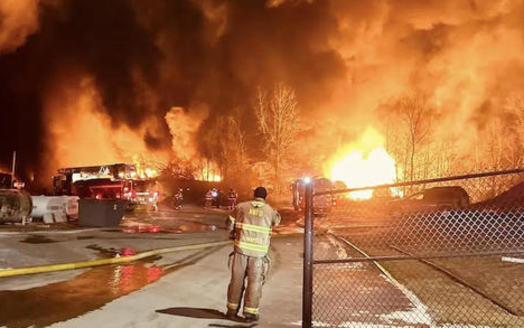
x=307, y=283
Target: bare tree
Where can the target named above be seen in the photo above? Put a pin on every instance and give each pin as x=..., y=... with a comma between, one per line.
x=515, y=138
x=395, y=141
x=225, y=144
x=416, y=116
x=278, y=123
x=237, y=136
x=232, y=144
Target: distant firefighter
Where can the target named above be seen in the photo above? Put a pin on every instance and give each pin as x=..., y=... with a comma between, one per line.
x=211, y=196
x=179, y=198
x=232, y=199
x=218, y=198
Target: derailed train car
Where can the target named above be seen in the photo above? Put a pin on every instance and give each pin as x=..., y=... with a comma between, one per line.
x=322, y=204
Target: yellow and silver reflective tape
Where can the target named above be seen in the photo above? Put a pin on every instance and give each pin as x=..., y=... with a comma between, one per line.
x=252, y=247
x=251, y=310
x=257, y=204
x=233, y=306
x=232, y=219
x=253, y=227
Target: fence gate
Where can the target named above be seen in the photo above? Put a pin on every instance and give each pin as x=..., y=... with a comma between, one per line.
x=446, y=252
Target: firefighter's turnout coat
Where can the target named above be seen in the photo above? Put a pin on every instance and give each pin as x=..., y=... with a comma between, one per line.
x=250, y=227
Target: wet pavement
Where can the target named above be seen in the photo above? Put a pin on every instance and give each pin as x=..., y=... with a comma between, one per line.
x=195, y=295
x=86, y=292
x=359, y=295
x=42, y=306
x=188, y=219
x=38, y=239
x=53, y=298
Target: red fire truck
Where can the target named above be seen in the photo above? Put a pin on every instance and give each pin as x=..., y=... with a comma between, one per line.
x=114, y=181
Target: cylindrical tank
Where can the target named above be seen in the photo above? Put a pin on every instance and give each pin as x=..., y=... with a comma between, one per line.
x=15, y=205
x=72, y=207
x=55, y=207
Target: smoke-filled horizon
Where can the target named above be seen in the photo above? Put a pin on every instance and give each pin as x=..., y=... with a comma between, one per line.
x=87, y=81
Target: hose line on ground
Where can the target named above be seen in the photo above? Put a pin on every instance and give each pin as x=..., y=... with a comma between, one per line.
x=115, y=260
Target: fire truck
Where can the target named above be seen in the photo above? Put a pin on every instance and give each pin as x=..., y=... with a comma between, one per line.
x=322, y=204
x=114, y=181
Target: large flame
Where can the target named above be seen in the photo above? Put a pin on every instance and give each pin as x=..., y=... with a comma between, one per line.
x=362, y=164
x=143, y=170
x=209, y=172
x=80, y=135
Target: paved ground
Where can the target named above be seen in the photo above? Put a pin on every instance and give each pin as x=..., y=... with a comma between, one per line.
x=60, y=246
x=185, y=289
x=188, y=289
x=194, y=295
x=359, y=295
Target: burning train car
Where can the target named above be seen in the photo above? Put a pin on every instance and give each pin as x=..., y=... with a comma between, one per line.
x=115, y=181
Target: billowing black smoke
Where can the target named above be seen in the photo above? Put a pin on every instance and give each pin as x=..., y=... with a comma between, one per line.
x=103, y=38
x=146, y=57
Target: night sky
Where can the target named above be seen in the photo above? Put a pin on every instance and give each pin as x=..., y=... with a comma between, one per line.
x=344, y=59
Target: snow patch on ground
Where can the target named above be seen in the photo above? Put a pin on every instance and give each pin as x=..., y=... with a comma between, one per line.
x=453, y=325
x=368, y=325
x=406, y=316
x=286, y=230
x=339, y=250
x=342, y=254
x=419, y=311
x=315, y=324
x=352, y=324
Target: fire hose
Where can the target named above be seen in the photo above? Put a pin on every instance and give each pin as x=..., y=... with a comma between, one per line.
x=115, y=260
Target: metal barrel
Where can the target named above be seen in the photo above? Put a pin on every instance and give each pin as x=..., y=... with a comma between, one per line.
x=15, y=205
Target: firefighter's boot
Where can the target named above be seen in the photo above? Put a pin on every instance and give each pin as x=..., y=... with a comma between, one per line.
x=231, y=314
x=251, y=317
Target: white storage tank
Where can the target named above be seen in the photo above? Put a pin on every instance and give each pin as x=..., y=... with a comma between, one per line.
x=55, y=208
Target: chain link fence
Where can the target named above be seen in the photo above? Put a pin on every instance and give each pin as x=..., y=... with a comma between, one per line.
x=446, y=252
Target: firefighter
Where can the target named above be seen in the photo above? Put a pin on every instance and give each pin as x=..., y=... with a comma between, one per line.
x=250, y=228
x=232, y=198
x=210, y=196
x=179, y=198
x=218, y=198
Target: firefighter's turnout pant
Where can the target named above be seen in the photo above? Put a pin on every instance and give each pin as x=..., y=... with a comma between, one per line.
x=255, y=270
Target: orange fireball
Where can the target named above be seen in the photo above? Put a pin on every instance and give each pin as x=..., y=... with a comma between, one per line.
x=362, y=164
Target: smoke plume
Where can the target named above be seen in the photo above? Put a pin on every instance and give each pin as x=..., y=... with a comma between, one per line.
x=138, y=68
x=18, y=19
x=184, y=127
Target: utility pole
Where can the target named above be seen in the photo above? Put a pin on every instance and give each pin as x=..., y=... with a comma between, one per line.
x=13, y=167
